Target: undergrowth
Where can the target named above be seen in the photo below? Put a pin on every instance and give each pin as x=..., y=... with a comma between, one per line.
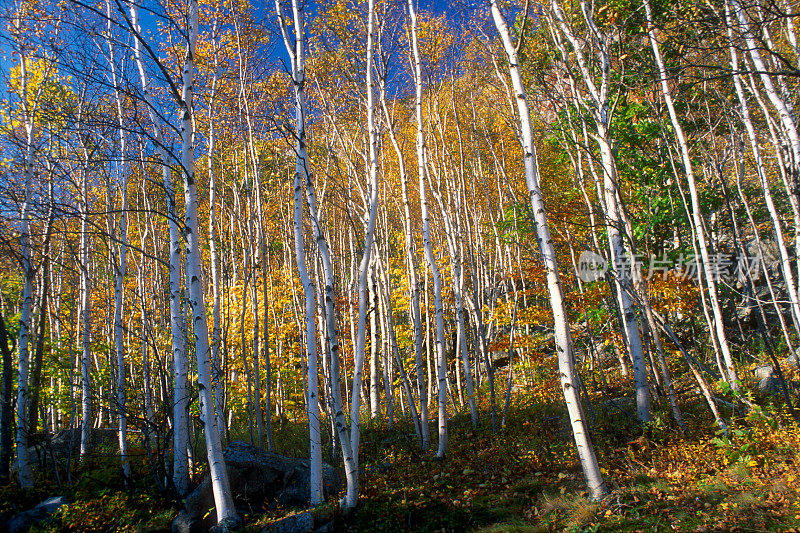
x=524, y=477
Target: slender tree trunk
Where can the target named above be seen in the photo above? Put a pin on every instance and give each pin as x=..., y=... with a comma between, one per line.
x=216, y=330
x=296, y=53
x=180, y=402
x=411, y=267
x=35, y=382
x=332, y=339
x=566, y=364
x=86, y=320
x=426, y=239
x=716, y=309
x=28, y=273
x=460, y=345
x=364, y=265
x=374, y=346
x=223, y=499
x=622, y=261
x=786, y=266
x=120, y=260
x=267, y=357
x=386, y=295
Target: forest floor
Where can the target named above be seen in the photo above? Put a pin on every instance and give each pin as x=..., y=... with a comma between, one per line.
x=525, y=477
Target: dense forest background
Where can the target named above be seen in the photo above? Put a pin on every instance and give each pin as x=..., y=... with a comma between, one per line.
x=518, y=263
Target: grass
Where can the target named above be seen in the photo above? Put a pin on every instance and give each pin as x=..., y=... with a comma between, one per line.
x=527, y=478
x=524, y=478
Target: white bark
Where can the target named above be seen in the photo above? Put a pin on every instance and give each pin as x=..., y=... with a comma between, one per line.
x=697, y=216
x=23, y=459
x=332, y=341
x=786, y=266
x=216, y=330
x=223, y=498
x=374, y=346
x=363, y=269
x=621, y=260
x=148, y=393
x=426, y=242
x=386, y=297
x=452, y=236
x=180, y=460
x=86, y=313
x=121, y=261
x=591, y=469
x=411, y=265
x=302, y=176
x=784, y=111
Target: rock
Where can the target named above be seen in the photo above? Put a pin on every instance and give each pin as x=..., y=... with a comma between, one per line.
x=604, y=354
x=298, y=523
x=186, y=523
x=768, y=380
x=256, y=477
x=22, y=522
x=380, y=468
x=64, y=444
x=64, y=439
x=227, y=526
x=325, y=528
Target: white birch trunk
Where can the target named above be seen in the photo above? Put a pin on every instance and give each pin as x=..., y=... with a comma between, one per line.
x=620, y=258
x=332, y=342
x=180, y=458
x=216, y=330
x=374, y=345
x=786, y=266
x=710, y=276
x=302, y=176
x=428, y=249
x=411, y=268
x=223, y=498
x=591, y=469
x=121, y=262
x=364, y=265
x=785, y=114
x=28, y=272
x=452, y=235
x=86, y=315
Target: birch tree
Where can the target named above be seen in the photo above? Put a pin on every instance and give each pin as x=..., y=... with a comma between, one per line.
x=441, y=364
x=120, y=252
x=622, y=259
x=566, y=363
x=296, y=52
x=702, y=241
x=180, y=460
x=369, y=219
x=28, y=271
x=223, y=498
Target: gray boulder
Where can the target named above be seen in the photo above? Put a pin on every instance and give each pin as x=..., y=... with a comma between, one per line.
x=768, y=380
x=64, y=444
x=22, y=522
x=298, y=523
x=257, y=478
x=604, y=353
x=498, y=359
